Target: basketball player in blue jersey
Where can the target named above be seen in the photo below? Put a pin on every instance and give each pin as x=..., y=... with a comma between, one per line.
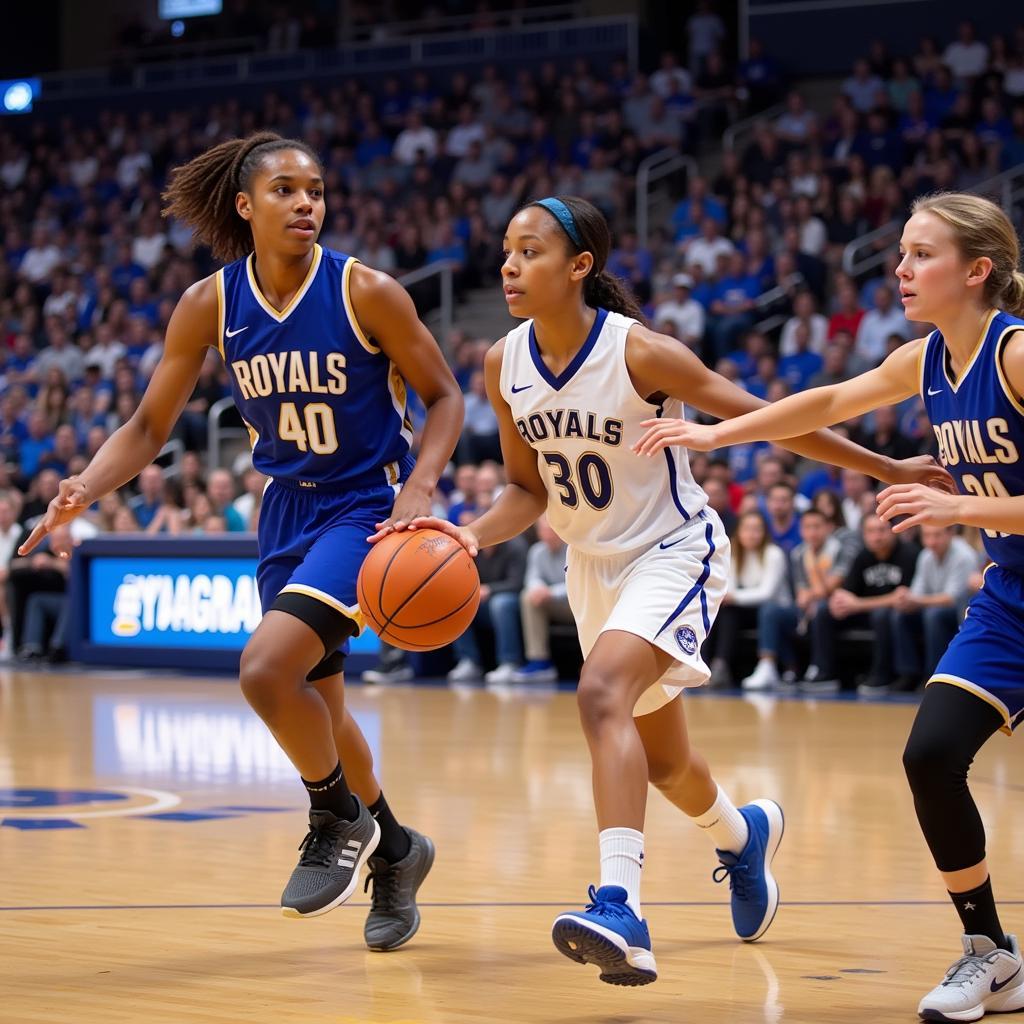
x=648, y=560
x=319, y=351
x=959, y=271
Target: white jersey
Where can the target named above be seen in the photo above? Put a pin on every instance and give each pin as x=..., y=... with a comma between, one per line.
x=602, y=497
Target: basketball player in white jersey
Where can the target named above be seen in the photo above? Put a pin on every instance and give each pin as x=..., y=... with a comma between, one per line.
x=648, y=560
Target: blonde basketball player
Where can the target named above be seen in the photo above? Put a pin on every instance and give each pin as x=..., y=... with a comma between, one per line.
x=648, y=560
x=960, y=271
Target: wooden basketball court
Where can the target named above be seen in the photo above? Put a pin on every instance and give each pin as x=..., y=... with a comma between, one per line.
x=149, y=824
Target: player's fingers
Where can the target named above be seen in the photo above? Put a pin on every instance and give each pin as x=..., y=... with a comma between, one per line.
x=34, y=538
x=901, y=508
x=653, y=436
x=909, y=524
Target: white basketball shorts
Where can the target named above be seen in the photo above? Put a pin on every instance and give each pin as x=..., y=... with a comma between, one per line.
x=667, y=594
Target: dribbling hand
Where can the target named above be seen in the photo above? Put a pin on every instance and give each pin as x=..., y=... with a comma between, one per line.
x=71, y=501
x=463, y=534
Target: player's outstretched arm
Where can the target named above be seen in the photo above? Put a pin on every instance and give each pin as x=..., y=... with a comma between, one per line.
x=134, y=445
x=658, y=363
x=387, y=315
x=923, y=506
x=524, y=497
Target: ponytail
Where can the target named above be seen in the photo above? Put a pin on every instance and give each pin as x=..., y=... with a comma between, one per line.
x=601, y=289
x=1013, y=294
x=202, y=192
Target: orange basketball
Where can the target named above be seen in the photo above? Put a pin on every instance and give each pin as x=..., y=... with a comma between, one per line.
x=418, y=589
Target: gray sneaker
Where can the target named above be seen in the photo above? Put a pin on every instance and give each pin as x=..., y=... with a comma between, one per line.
x=333, y=854
x=394, y=917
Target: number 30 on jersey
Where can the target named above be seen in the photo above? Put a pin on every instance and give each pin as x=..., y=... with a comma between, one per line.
x=591, y=477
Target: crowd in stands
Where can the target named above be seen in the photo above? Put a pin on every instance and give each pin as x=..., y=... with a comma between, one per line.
x=747, y=272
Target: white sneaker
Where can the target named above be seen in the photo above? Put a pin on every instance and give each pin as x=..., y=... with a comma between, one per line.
x=764, y=677
x=466, y=671
x=504, y=673
x=382, y=676
x=984, y=980
x=814, y=682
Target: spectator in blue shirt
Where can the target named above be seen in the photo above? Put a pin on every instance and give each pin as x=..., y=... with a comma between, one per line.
x=994, y=127
x=633, y=264
x=783, y=522
x=146, y=504
x=879, y=145
x=732, y=303
x=125, y=270
x=798, y=368
x=38, y=443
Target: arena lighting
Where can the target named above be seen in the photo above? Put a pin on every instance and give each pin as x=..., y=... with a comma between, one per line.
x=18, y=95
x=171, y=10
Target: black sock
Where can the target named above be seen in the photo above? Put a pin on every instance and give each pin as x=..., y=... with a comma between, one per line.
x=977, y=910
x=394, y=840
x=332, y=794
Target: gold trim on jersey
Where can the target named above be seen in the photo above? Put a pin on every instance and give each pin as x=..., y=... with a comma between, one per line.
x=350, y=310
x=221, y=310
x=254, y=437
x=1001, y=373
x=981, y=692
x=979, y=345
x=922, y=356
x=349, y=611
x=281, y=315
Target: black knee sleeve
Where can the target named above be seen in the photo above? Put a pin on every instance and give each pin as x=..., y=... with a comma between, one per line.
x=330, y=625
x=950, y=728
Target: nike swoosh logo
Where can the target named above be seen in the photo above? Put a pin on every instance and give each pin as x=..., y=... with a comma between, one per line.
x=665, y=547
x=230, y=333
x=996, y=986
x=525, y=387
x=939, y=392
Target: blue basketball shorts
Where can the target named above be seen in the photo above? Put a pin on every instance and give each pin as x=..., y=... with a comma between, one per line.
x=313, y=543
x=985, y=655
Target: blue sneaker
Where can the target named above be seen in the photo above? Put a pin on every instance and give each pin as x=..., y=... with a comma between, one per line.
x=610, y=935
x=536, y=672
x=755, y=893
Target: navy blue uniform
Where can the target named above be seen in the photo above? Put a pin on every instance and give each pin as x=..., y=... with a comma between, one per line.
x=326, y=412
x=979, y=424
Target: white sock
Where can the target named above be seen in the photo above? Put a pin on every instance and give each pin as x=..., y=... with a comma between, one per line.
x=726, y=826
x=622, y=858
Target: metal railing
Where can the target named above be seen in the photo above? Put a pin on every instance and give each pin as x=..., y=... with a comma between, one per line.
x=732, y=135
x=218, y=434
x=1006, y=189
x=653, y=169
x=175, y=449
x=562, y=40
x=527, y=17
x=445, y=270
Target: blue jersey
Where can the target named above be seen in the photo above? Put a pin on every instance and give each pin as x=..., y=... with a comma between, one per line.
x=979, y=424
x=324, y=405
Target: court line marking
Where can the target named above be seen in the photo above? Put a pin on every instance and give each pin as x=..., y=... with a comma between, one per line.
x=479, y=906
x=162, y=801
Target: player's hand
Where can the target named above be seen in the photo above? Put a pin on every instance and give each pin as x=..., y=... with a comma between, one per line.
x=921, y=469
x=71, y=501
x=463, y=534
x=921, y=505
x=660, y=434
x=411, y=503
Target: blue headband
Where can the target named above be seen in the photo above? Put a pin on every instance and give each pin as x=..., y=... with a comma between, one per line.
x=564, y=216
